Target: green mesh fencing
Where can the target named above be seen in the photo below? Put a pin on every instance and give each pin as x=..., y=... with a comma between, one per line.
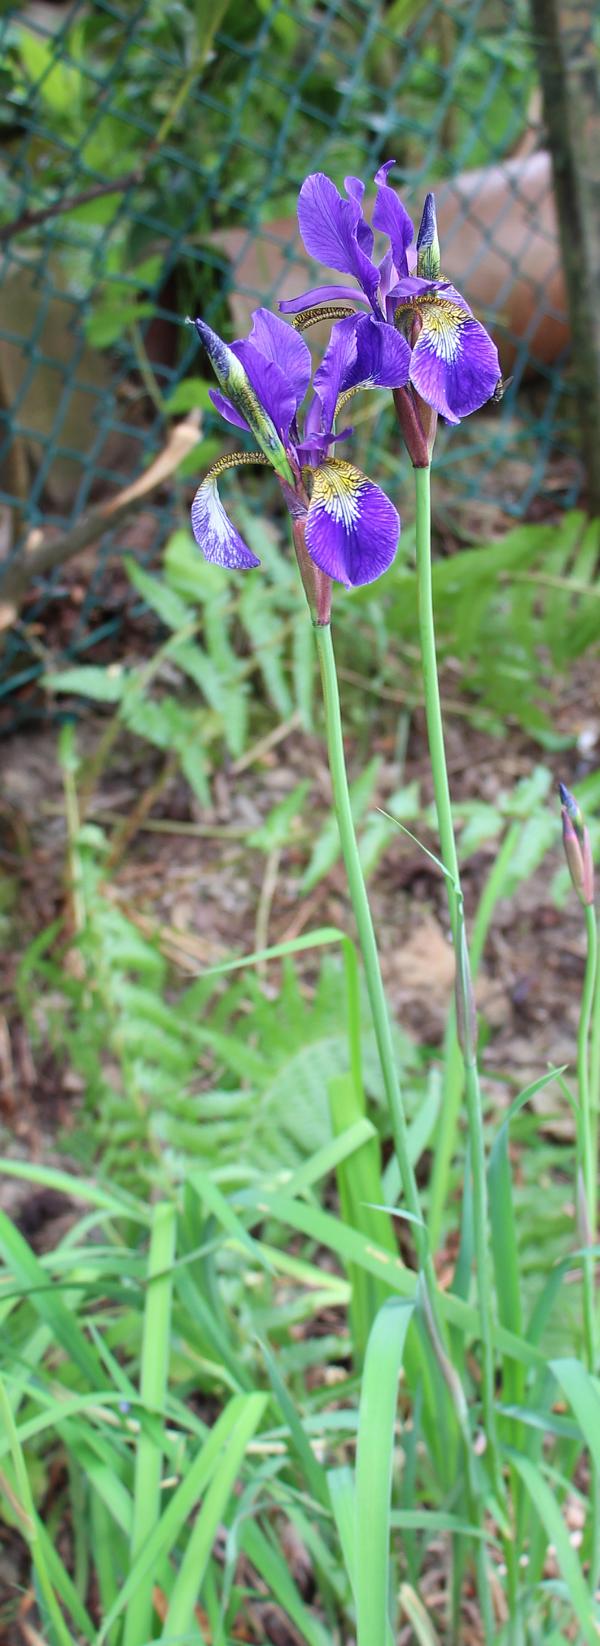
x=178, y=137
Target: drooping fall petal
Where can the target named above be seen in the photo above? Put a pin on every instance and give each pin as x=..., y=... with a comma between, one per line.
x=352, y=528
x=215, y=533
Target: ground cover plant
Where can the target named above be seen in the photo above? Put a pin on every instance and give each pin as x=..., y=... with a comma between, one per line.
x=266, y=1414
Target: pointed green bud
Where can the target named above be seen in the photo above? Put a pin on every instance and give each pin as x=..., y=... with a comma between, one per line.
x=578, y=851
x=235, y=383
x=428, y=246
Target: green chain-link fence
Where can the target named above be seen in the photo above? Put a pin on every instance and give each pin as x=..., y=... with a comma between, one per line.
x=150, y=159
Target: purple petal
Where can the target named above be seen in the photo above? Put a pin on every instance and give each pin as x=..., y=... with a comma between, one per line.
x=278, y=341
x=382, y=355
x=355, y=188
x=321, y=294
x=329, y=228
x=337, y=362
x=216, y=534
x=454, y=364
x=390, y=215
x=380, y=178
x=352, y=528
x=412, y=285
x=226, y=409
x=271, y=387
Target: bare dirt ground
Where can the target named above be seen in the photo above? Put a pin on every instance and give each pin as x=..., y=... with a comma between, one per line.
x=210, y=895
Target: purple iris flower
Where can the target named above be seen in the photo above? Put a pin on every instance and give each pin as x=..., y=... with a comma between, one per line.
x=453, y=364
x=346, y=525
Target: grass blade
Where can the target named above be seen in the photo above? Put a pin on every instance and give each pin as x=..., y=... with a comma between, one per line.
x=189, y=1579
x=161, y=1541
x=271, y=1566
x=374, y=1470
x=582, y=1394
x=154, y=1372
x=415, y=1612
x=546, y=1507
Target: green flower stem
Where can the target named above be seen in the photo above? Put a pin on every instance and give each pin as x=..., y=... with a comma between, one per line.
x=368, y=946
x=595, y=1087
x=435, y=733
x=587, y=1122
x=453, y=1079
x=381, y=1024
x=585, y=1131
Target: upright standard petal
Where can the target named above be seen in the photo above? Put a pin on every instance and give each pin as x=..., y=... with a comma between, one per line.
x=234, y=380
x=338, y=361
x=355, y=189
x=382, y=358
x=215, y=533
x=390, y=216
x=352, y=528
x=278, y=341
x=454, y=364
x=329, y=227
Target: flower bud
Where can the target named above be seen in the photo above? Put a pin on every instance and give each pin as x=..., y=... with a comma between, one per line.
x=578, y=851
x=428, y=245
x=236, y=384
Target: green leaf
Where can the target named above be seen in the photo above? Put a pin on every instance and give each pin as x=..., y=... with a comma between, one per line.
x=374, y=1457
x=106, y=324
x=168, y=606
x=584, y=1397
x=190, y=395
x=414, y=1610
x=187, y=1586
x=276, y=829
x=546, y=1506
x=102, y=685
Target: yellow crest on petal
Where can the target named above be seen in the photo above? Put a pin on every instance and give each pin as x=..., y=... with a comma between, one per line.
x=442, y=322
x=338, y=489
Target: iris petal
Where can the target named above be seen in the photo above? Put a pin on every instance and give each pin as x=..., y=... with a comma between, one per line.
x=352, y=528
x=336, y=365
x=382, y=356
x=390, y=215
x=216, y=534
x=273, y=390
x=454, y=364
x=279, y=342
x=329, y=227
x=226, y=409
x=321, y=294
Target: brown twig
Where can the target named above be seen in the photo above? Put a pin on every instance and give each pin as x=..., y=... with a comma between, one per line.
x=40, y=555
x=43, y=214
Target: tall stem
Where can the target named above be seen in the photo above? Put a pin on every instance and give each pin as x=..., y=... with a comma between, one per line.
x=586, y=1173
x=435, y=733
x=366, y=937
x=594, y=1066
x=585, y=1130
x=453, y=1076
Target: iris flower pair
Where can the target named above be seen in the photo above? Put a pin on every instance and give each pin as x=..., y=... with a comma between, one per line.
x=410, y=332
